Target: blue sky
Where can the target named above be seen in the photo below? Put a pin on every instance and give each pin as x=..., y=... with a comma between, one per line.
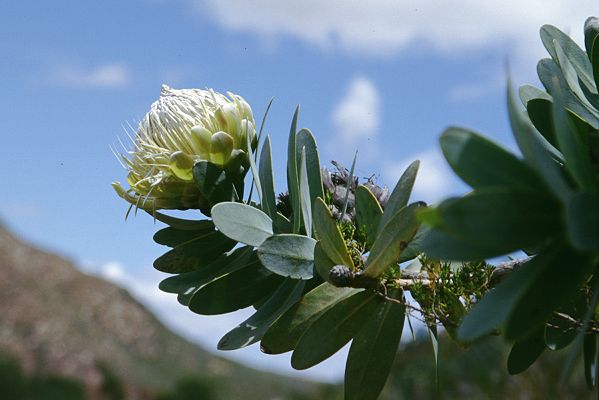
x=383, y=76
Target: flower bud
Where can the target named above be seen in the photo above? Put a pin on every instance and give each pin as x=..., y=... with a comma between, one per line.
x=184, y=127
x=222, y=145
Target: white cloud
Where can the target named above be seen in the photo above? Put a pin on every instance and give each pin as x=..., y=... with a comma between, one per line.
x=111, y=75
x=435, y=179
x=388, y=27
x=356, y=118
x=114, y=272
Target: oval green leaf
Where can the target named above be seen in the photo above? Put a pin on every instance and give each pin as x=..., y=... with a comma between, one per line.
x=292, y=173
x=288, y=255
x=284, y=334
x=189, y=282
x=373, y=350
x=251, y=330
x=305, y=199
x=393, y=238
x=329, y=236
x=368, y=213
x=269, y=199
x=243, y=223
x=305, y=141
x=548, y=291
x=500, y=220
x=582, y=219
x=401, y=193
x=173, y=237
x=482, y=163
x=333, y=329
x=195, y=253
x=525, y=352
x=235, y=291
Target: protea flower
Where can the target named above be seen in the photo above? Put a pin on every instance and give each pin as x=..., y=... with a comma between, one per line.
x=183, y=127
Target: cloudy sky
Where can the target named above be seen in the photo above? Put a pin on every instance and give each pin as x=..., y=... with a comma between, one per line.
x=385, y=77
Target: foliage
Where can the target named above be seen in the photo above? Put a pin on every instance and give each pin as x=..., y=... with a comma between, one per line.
x=13, y=384
x=112, y=387
x=322, y=263
x=546, y=204
x=191, y=388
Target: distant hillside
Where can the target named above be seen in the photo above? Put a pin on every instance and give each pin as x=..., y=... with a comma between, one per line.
x=55, y=319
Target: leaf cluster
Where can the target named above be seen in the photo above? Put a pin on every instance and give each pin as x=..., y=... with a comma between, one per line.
x=545, y=204
x=322, y=263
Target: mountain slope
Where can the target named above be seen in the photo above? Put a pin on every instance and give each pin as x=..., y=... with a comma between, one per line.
x=55, y=319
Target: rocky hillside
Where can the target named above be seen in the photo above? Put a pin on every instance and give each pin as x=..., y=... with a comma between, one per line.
x=55, y=319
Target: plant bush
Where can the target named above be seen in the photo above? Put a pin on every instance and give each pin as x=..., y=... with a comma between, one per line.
x=332, y=259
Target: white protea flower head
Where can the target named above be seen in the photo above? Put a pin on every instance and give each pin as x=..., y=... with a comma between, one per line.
x=183, y=127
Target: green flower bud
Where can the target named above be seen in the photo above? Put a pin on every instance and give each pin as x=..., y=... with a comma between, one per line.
x=184, y=127
x=200, y=140
x=229, y=119
x=222, y=145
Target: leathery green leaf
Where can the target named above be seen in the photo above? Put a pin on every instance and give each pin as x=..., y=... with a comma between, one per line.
x=305, y=142
x=195, y=253
x=553, y=39
x=288, y=255
x=595, y=59
x=284, y=334
x=251, y=330
x=334, y=328
x=444, y=245
x=582, y=219
x=173, y=237
x=242, y=222
x=368, y=213
x=305, y=201
x=329, y=236
x=322, y=262
x=269, y=200
x=191, y=281
x=222, y=266
x=529, y=92
x=537, y=151
x=292, y=173
x=560, y=331
x=525, y=352
x=548, y=291
x=180, y=223
x=213, y=182
x=539, y=112
x=497, y=305
x=548, y=70
x=572, y=78
x=235, y=291
x=576, y=153
x=393, y=238
x=482, y=163
x=401, y=193
x=519, y=219
x=373, y=350
x=254, y=168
